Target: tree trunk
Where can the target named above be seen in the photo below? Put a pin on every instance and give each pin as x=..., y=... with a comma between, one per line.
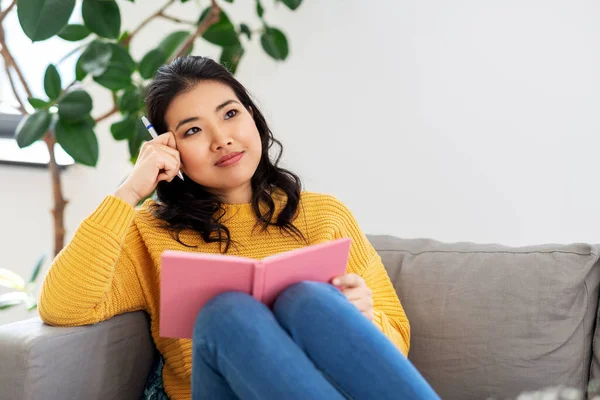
x=59, y=202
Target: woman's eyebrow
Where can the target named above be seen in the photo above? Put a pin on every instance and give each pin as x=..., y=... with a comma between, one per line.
x=185, y=121
x=219, y=108
x=225, y=104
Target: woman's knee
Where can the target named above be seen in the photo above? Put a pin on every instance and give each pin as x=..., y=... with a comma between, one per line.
x=224, y=312
x=297, y=300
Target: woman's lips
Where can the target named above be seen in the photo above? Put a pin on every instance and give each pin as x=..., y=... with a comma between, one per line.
x=232, y=160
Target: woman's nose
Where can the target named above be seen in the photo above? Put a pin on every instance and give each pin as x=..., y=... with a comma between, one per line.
x=221, y=139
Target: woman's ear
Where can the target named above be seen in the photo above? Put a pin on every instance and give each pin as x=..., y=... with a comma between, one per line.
x=251, y=111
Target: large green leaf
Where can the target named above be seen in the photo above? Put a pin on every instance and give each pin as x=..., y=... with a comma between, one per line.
x=221, y=33
x=96, y=57
x=78, y=140
x=230, y=57
x=42, y=19
x=52, y=83
x=33, y=127
x=171, y=43
x=124, y=128
x=80, y=73
x=120, y=55
x=292, y=4
x=75, y=106
x=38, y=103
x=116, y=77
x=102, y=17
x=74, y=32
x=274, y=43
x=151, y=62
x=130, y=101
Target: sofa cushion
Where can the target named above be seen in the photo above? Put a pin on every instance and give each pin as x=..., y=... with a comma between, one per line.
x=494, y=321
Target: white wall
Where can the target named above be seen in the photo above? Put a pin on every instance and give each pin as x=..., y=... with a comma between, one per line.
x=459, y=121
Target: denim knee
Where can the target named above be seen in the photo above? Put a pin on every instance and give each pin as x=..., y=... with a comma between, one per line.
x=300, y=298
x=223, y=312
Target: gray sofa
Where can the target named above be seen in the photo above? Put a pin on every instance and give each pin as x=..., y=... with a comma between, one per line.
x=488, y=321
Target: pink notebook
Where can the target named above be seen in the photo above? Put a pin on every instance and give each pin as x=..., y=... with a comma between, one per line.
x=189, y=280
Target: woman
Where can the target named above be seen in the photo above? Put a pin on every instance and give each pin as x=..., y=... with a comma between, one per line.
x=319, y=341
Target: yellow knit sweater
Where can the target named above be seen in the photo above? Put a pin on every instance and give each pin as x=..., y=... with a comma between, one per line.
x=112, y=266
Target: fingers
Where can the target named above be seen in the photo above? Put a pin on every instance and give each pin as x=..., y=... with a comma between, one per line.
x=163, y=153
x=348, y=280
x=356, y=293
x=150, y=146
x=167, y=139
x=355, y=289
x=168, y=165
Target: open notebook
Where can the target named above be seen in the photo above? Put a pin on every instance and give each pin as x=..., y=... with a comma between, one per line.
x=189, y=280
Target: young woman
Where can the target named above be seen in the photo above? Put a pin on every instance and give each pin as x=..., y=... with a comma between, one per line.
x=347, y=339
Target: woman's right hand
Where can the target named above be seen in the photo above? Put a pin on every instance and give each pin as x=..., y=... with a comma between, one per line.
x=158, y=161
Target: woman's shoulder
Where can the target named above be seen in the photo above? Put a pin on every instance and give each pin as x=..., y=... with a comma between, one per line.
x=144, y=215
x=324, y=204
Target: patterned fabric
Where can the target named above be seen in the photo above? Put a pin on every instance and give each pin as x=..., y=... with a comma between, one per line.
x=154, y=389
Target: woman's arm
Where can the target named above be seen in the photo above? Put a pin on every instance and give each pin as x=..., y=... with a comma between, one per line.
x=388, y=313
x=94, y=277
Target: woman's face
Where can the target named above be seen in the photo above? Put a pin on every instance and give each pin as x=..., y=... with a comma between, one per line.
x=209, y=122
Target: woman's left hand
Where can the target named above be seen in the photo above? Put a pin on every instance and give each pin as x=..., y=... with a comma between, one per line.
x=356, y=290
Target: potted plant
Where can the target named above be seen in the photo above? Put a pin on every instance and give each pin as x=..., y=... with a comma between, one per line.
x=64, y=116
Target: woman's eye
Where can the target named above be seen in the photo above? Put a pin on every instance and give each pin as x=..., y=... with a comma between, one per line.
x=230, y=114
x=191, y=131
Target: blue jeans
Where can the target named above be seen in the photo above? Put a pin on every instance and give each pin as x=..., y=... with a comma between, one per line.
x=315, y=344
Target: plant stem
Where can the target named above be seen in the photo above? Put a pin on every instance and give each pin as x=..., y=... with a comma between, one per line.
x=212, y=17
x=174, y=19
x=146, y=21
x=59, y=201
x=9, y=61
x=4, y=13
x=14, y=89
x=107, y=114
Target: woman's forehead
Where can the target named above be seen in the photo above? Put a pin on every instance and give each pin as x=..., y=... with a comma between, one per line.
x=207, y=93
x=202, y=98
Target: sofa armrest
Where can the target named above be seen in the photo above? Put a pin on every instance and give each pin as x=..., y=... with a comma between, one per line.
x=108, y=360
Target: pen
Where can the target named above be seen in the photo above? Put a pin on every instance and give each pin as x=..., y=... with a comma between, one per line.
x=154, y=135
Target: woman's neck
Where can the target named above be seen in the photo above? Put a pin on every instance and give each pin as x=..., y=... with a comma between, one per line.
x=240, y=195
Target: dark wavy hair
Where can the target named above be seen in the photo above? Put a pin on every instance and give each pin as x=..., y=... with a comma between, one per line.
x=187, y=204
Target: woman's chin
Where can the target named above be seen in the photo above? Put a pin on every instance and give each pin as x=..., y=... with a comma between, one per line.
x=229, y=183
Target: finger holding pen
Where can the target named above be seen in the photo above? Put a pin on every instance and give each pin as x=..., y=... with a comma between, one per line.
x=153, y=133
x=159, y=160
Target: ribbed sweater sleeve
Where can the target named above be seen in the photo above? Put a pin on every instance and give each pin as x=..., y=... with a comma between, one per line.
x=94, y=278
x=389, y=315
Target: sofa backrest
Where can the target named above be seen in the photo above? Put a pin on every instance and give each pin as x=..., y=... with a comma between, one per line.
x=491, y=321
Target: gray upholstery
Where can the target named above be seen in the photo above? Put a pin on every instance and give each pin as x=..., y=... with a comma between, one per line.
x=486, y=321
x=493, y=321
x=109, y=360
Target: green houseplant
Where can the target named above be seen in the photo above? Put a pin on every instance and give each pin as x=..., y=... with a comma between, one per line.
x=104, y=59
